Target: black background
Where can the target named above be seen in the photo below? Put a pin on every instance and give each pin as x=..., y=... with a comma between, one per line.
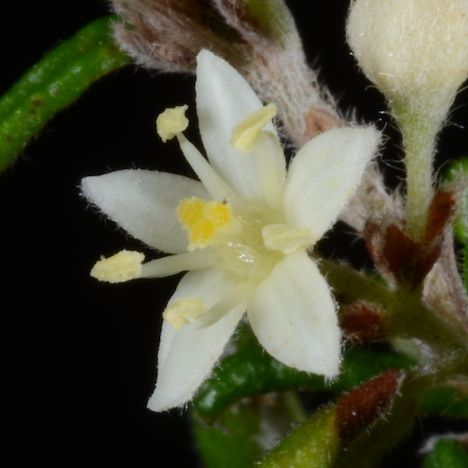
x=79, y=357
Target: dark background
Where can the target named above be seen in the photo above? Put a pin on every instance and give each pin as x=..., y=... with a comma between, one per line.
x=79, y=357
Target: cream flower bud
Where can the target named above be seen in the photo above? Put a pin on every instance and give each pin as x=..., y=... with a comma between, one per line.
x=416, y=52
x=411, y=48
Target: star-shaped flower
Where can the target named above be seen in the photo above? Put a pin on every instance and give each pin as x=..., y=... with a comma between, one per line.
x=242, y=233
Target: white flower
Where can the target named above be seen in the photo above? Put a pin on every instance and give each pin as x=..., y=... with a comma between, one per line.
x=241, y=233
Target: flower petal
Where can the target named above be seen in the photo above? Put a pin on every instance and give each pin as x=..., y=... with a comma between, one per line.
x=293, y=315
x=324, y=176
x=186, y=357
x=224, y=99
x=144, y=203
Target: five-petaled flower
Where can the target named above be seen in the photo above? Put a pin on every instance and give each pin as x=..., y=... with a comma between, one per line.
x=242, y=233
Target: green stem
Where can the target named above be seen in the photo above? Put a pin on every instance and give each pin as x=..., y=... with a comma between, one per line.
x=51, y=85
x=418, y=141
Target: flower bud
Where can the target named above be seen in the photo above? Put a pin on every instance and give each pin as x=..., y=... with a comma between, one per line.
x=416, y=52
x=411, y=49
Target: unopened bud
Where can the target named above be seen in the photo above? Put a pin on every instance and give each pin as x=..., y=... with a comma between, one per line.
x=416, y=52
x=411, y=49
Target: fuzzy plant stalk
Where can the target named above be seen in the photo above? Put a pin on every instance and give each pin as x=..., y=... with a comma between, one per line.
x=258, y=37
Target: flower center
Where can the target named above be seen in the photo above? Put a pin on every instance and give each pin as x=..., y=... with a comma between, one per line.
x=247, y=243
x=243, y=254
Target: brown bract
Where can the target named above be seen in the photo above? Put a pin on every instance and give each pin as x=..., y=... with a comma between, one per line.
x=361, y=407
x=361, y=322
x=406, y=260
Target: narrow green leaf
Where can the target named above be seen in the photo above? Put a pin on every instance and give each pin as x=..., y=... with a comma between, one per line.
x=53, y=63
x=51, y=85
x=447, y=454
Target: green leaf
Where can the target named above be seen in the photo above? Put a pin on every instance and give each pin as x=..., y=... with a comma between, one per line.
x=55, y=82
x=243, y=432
x=447, y=454
x=314, y=444
x=445, y=401
x=231, y=442
x=250, y=371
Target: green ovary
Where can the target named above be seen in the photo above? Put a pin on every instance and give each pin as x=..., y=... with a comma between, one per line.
x=241, y=252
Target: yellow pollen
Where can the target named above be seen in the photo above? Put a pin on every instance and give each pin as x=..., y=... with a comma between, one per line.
x=203, y=220
x=246, y=133
x=184, y=311
x=284, y=239
x=121, y=267
x=171, y=122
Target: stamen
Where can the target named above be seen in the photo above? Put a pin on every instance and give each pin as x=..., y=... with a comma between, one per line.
x=184, y=311
x=173, y=264
x=284, y=239
x=171, y=122
x=121, y=267
x=246, y=133
x=213, y=182
x=203, y=220
x=237, y=296
x=271, y=167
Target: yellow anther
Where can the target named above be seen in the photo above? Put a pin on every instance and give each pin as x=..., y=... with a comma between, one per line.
x=121, y=267
x=203, y=220
x=246, y=133
x=284, y=239
x=184, y=311
x=171, y=122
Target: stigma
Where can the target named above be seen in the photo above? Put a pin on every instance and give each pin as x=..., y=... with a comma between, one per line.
x=171, y=122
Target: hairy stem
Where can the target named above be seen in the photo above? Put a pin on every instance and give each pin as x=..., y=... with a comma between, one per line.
x=418, y=142
x=419, y=131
